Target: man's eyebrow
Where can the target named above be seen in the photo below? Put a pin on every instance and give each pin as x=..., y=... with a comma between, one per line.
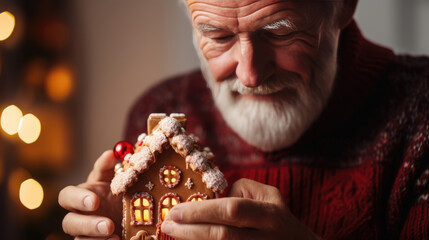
x=207, y=28
x=281, y=23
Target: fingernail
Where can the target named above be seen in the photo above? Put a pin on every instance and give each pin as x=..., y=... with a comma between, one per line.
x=88, y=203
x=102, y=227
x=167, y=227
x=175, y=214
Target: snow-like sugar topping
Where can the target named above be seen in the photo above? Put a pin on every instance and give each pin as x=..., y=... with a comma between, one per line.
x=157, y=115
x=142, y=160
x=198, y=161
x=168, y=133
x=170, y=126
x=156, y=141
x=182, y=143
x=123, y=180
x=214, y=180
x=177, y=115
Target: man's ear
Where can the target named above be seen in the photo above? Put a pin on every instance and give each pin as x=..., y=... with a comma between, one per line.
x=346, y=12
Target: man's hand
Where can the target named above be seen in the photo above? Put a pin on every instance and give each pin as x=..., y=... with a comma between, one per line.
x=252, y=211
x=94, y=212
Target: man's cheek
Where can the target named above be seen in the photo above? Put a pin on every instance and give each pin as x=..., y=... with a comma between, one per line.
x=297, y=62
x=222, y=67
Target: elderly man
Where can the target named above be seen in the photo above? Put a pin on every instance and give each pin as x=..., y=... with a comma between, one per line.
x=331, y=129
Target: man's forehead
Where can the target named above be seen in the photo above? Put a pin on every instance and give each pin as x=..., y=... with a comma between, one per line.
x=234, y=8
x=242, y=15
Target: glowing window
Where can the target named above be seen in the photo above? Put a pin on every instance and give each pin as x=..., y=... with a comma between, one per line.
x=166, y=202
x=142, y=209
x=169, y=176
x=197, y=197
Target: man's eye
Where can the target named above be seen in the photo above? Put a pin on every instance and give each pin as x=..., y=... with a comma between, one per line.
x=223, y=38
x=279, y=36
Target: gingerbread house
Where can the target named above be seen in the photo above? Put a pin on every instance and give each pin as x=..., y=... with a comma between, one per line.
x=167, y=167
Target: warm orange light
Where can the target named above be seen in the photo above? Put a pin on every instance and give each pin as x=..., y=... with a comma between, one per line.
x=137, y=202
x=10, y=119
x=15, y=178
x=145, y=202
x=1, y=170
x=138, y=215
x=7, y=24
x=146, y=215
x=31, y=194
x=164, y=213
x=29, y=128
x=59, y=83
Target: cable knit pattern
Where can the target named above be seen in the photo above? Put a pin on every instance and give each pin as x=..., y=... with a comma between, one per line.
x=360, y=172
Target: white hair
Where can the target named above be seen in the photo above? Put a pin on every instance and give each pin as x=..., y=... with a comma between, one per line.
x=275, y=124
x=279, y=122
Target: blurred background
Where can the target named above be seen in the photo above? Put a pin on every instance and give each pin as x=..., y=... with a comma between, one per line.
x=69, y=71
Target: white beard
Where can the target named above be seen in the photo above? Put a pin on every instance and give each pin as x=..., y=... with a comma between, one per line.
x=280, y=121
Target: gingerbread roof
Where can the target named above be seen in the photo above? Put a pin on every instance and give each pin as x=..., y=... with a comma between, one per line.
x=168, y=133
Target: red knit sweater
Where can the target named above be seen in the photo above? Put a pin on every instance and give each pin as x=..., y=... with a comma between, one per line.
x=360, y=172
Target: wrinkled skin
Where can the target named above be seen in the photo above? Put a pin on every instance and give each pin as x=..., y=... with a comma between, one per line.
x=235, y=41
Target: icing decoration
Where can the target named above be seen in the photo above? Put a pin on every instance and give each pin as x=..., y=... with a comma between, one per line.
x=122, y=180
x=182, y=143
x=169, y=176
x=149, y=185
x=119, y=168
x=169, y=126
x=197, y=197
x=189, y=184
x=142, y=209
x=156, y=141
x=157, y=115
x=214, y=179
x=142, y=234
x=141, y=137
x=177, y=115
x=166, y=202
x=198, y=161
x=142, y=160
x=121, y=149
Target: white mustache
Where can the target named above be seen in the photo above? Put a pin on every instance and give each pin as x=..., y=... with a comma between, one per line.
x=268, y=87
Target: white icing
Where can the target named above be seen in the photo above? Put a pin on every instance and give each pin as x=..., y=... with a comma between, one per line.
x=150, y=185
x=183, y=143
x=141, y=160
x=141, y=137
x=197, y=161
x=157, y=115
x=118, y=166
x=189, y=184
x=177, y=115
x=122, y=180
x=169, y=126
x=156, y=141
x=127, y=157
x=214, y=180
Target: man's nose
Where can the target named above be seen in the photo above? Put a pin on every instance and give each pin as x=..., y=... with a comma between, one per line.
x=252, y=64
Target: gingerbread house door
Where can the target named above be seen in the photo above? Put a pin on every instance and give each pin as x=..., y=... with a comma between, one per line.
x=166, y=202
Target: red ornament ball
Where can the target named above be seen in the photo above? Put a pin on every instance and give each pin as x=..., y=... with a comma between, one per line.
x=121, y=150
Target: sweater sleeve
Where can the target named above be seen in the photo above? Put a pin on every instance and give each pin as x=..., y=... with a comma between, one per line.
x=416, y=224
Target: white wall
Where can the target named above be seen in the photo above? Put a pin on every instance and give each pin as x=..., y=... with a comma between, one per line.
x=127, y=46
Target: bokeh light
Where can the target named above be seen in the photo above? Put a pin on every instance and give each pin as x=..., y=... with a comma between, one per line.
x=14, y=180
x=59, y=83
x=29, y=128
x=31, y=194
x=7, y=24
x=1, y=170
x=10, y=119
